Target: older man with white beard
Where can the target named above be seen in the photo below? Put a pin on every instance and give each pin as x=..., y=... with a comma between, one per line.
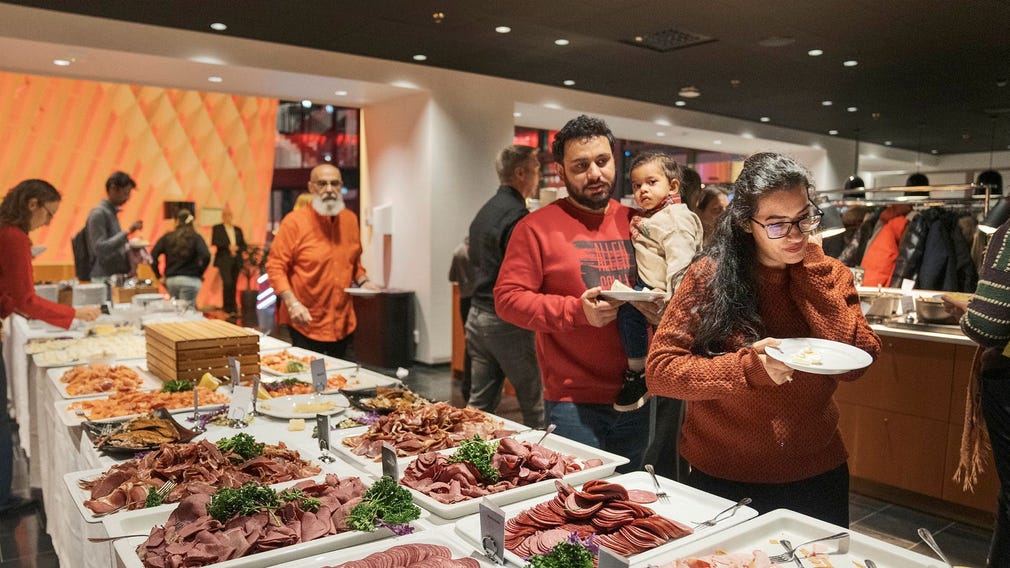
x=315, y=255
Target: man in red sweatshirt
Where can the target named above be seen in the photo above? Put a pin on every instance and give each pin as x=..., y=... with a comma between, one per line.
x=558, y=260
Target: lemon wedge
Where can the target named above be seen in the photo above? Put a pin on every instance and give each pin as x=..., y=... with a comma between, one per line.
x=209, y=382
x=263, y=394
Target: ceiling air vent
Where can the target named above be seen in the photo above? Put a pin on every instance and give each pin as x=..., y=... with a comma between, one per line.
x=668, y=40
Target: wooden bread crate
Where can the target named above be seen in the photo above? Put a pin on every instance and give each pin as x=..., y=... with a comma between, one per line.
x=188, y=349
x=122, y=295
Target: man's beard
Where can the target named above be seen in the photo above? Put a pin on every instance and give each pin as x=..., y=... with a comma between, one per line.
x=327, y=207
x=593, y=203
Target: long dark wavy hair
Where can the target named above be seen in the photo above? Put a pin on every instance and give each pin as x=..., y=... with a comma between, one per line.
x=731, y=307
x=14, y=207
x=180, y=241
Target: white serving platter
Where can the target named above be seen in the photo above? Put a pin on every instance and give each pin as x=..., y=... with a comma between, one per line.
x=686, y=505
x=150, y=382
x=285, y=407
x=332, y=363
x=124, y=346
x=459, y=548
x=374, y=467
x=79, y=495
x=71, y=419
x=269, y=343
x=552, y=442
x=764, y=533
x=141, y=521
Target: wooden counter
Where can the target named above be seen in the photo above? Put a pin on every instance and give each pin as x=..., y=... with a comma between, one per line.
x=902, y=426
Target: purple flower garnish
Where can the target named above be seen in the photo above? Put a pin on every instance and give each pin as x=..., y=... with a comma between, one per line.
x=398, y=530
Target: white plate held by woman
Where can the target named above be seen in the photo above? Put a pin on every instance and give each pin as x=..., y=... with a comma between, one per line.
x=303, y=405
x=819, y=356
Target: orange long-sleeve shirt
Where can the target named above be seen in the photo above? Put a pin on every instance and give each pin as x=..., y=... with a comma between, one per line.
x=316, y=257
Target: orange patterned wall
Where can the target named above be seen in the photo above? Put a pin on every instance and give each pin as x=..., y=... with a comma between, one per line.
x=211, y=148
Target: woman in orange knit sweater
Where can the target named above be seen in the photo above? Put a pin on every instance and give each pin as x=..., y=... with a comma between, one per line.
x=754, y=427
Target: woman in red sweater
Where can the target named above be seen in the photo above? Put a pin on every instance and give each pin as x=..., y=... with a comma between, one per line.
x=754, y=427
x=30, y=205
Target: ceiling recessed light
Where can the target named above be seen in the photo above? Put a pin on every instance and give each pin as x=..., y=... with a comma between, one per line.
x=516, y=114
x=852, y=109
x=934, y=152
x=329, y=109
x=214, y=79
x=681, y=103
x=661, y=134
x=689, y=92
x=717, y=142
x=561, y=41
x=833, y=132
x=815, y=52
x=340, y=93
x=503, y=29
x=569, y=82
x=850, y=63
x=639, y=39
x=306, y=103
x=765, y=119
x=887, y=142
x=438, y=17
x=218, y=26
x=826, y=103
x=61, y=62
x=420, y=57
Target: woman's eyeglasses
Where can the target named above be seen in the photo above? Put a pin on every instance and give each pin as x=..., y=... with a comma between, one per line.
x=49, y=214
x=782, y=229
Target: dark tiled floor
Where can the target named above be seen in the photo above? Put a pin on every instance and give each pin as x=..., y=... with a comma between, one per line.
x=24, y=544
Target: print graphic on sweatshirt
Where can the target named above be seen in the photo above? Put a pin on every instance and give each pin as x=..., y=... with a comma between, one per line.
x=603, y=262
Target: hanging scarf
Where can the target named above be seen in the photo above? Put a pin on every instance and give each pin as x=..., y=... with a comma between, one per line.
x=636, y=220
x=975, y=444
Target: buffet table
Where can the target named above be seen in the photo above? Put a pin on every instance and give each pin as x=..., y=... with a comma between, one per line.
x=63, y=455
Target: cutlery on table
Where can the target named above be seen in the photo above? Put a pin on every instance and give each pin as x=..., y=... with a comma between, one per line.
x=724, y=514
x=927, y=537
x=843, y=547
x=790, y=551
x=660, y=494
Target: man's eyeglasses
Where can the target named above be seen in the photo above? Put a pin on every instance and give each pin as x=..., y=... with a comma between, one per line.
x=782, y=229
x=336, y=183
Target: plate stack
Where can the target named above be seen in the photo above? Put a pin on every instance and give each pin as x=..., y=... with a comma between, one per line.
x=186, y=350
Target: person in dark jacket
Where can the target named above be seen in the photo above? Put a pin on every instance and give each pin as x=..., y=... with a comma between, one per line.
x=107, y=241
x=229, y=245
x=499, y=349
x=186, y=258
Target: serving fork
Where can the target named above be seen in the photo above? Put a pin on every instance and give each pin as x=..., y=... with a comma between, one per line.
x=843, y=547
x=660, y=494
x=724, y=514
x=162, y=491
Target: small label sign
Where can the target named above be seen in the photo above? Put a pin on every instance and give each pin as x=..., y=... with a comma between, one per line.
x=323, y=431
x=235, y=368
x=241, y=399
x=318, y=369
x=610, y=559
x=390, y=467
x=492, y=531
